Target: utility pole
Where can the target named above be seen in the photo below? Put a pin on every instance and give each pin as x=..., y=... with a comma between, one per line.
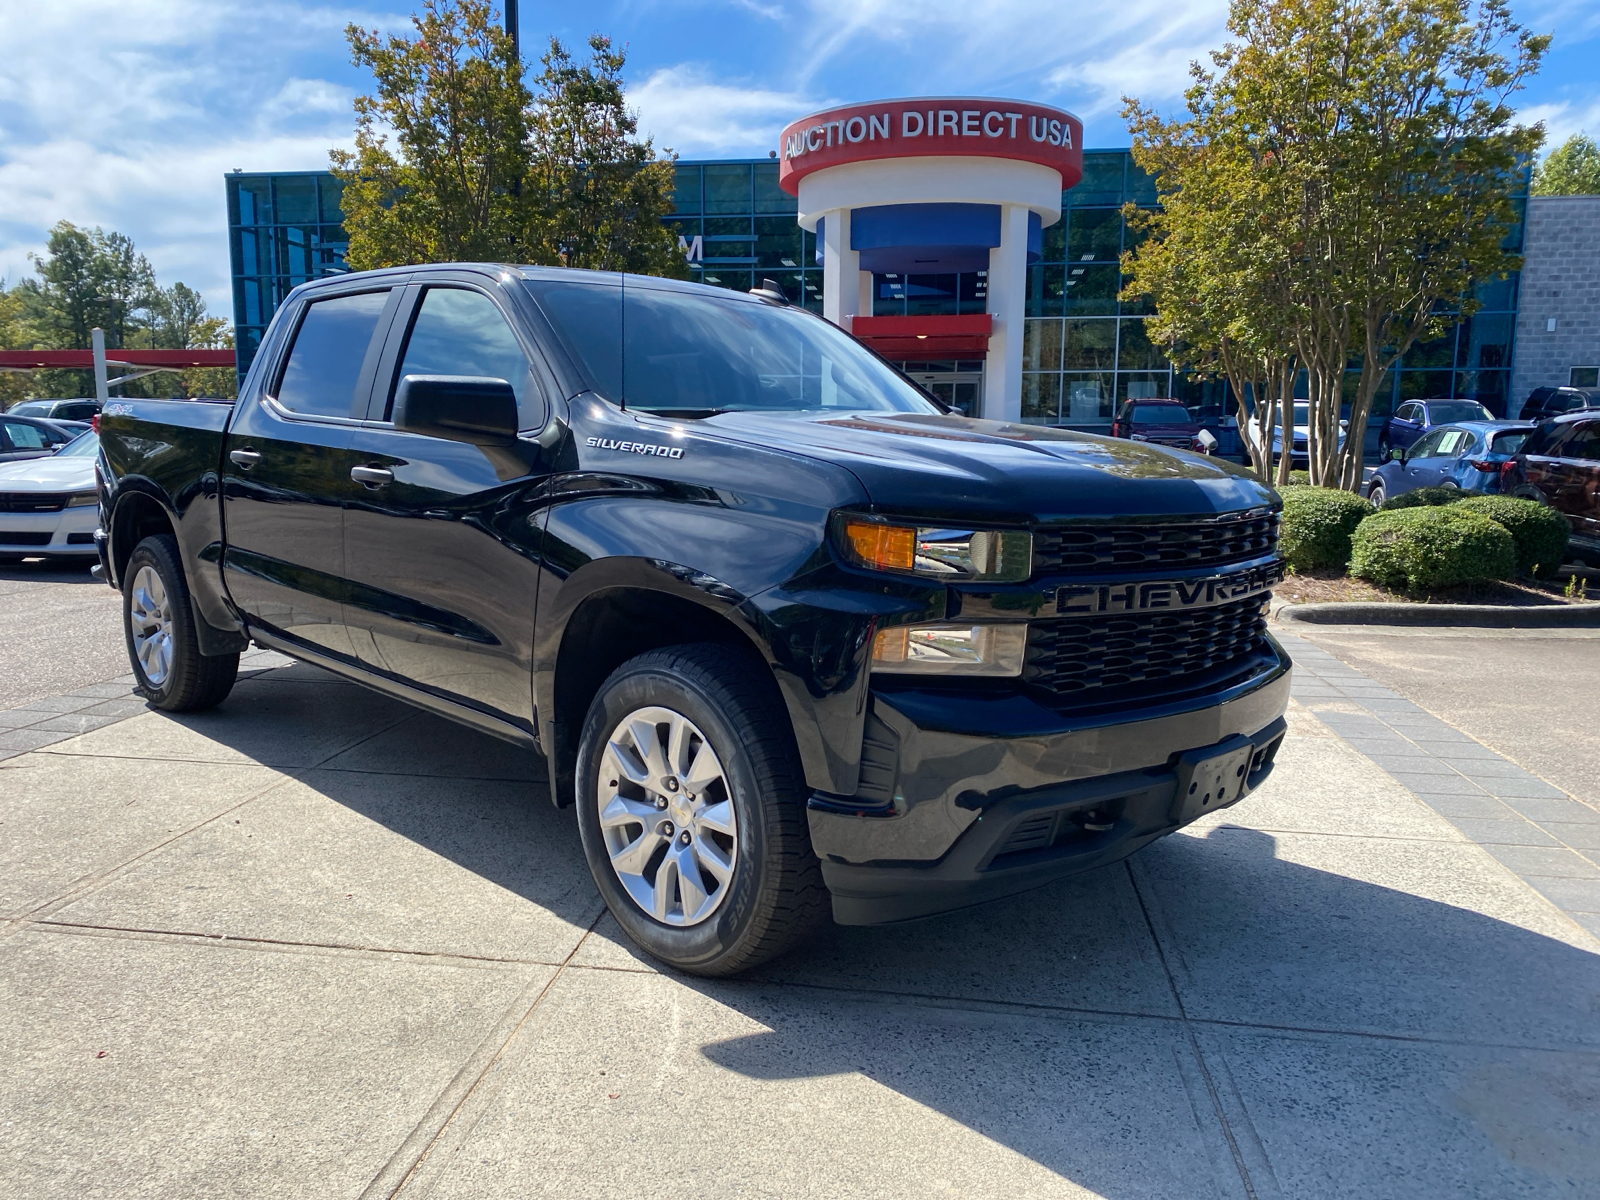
x=513, y=24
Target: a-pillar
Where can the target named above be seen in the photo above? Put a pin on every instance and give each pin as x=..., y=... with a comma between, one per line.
x=846, y=289
x=1008, y=292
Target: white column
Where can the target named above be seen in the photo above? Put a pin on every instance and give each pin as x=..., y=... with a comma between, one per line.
x=97, y=340
x=1008, y=296
x=842, y=287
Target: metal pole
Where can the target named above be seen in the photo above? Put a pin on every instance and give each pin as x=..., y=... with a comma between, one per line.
x=513, y=25
x=102, y=389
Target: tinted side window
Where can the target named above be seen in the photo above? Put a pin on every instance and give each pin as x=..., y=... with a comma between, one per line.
x=1427, y=446
x=324, y=364
x=1584, y=442
x=456, y=332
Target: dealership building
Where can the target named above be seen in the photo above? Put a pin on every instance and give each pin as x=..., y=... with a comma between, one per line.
x=972, y=241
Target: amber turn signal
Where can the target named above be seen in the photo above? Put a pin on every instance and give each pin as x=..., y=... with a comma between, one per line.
x=891, y=547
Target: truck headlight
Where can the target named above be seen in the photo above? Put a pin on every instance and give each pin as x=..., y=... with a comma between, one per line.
x=955, y=555
x=83, y=499
x=994, y=650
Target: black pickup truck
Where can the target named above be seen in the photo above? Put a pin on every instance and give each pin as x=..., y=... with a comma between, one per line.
x=790, y=636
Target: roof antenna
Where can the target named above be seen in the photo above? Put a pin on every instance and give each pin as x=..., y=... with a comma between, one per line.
x=769, y=290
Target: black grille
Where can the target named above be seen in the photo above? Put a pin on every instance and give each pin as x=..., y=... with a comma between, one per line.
x=1128, y=655
x=32, y=502
x=1207, y=543
x=10, y=537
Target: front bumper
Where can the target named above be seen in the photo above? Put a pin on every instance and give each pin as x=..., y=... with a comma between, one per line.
x=977, y=815
x=69, y=531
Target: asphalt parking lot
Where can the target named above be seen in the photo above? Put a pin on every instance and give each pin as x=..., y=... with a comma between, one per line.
x=318, y=944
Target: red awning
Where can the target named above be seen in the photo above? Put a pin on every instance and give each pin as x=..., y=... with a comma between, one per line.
x=39, y=360
x=912, y=338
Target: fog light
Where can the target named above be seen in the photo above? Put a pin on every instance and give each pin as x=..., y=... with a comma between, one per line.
x=993, y=650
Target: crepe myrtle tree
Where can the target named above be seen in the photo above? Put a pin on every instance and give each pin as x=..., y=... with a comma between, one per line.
x=1382, y=151
x=1215, y=267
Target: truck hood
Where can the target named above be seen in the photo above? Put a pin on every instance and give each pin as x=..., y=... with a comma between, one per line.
x=961, y=468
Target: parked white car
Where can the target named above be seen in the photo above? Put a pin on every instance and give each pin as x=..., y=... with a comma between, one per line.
x=1299, y=450
x=49, y=507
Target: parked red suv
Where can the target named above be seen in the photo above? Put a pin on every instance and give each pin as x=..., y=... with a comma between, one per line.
x=1559, y=465
x=1166, y=422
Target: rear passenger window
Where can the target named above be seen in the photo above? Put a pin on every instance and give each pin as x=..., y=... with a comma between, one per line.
x=324, y=364
x=457, y=332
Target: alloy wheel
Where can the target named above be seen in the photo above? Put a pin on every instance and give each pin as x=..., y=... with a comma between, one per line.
x=667, y=815
x=150, y=618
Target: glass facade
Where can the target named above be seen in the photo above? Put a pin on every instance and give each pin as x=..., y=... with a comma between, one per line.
x=1084, y=350
x=283, y=229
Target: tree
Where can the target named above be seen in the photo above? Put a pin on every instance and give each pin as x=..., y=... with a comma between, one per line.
x=482, y=169
x=449, y=189
x=1382, y=151
x=596, y=194
x=1571, y=169
x=87, y=279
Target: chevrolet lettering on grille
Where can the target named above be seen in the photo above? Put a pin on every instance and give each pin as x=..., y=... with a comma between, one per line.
x=1086, y=599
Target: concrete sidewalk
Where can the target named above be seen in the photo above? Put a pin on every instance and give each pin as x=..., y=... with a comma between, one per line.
x=317, y=944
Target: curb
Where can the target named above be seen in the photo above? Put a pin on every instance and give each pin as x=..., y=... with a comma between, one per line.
x=1486, y=616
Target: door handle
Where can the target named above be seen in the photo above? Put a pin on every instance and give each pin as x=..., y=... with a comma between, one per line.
x=244, y=459
x=373, y=477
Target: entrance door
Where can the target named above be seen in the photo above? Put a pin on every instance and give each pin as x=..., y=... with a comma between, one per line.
x=962, y=390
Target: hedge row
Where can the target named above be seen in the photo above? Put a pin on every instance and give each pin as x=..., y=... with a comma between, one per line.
x=1430, y=538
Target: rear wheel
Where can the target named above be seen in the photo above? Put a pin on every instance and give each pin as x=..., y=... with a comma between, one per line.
x=1385, y=451
x=158, y=623
x=691, y=806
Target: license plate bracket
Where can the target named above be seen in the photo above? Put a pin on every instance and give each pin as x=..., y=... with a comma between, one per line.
x=1213, y=777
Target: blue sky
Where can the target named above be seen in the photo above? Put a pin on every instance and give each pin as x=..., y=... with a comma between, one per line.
x=126, y=113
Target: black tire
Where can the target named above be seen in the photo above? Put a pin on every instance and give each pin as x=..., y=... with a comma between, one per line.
x=1385, y=451
x=1376, y=494
x=193, y=681
x=775, y=896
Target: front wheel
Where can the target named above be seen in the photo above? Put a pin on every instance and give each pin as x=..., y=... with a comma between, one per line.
x=691, y=806
x=158, y=623
x=1376, y=495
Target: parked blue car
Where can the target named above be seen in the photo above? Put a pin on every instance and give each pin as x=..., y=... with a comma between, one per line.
x=1415, y=417
x=1467, y=455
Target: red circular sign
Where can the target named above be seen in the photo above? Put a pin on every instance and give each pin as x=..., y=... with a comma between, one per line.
x=965, y=127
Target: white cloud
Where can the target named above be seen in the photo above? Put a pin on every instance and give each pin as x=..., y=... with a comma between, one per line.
x=126, y=114
x=680, y=107
x=1563, y=119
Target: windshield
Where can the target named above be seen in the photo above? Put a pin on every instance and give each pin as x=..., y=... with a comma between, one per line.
x=82, y=446
x=1451, y=411
x=31, y=408
x=1302, y=414
x=687, y=353
x=1160, y=414
x=1509, y=443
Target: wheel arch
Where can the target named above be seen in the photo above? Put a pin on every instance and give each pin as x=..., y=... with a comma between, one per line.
x=614, y=610
x=137, y=515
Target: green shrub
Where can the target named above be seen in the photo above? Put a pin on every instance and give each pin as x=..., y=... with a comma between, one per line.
x=1539, y=533
x=1299, y=478
x=1428, y=497
x=1317, y=524
x=1425, y=548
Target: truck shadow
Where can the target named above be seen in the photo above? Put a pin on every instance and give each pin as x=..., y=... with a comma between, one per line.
x=1120, y=1029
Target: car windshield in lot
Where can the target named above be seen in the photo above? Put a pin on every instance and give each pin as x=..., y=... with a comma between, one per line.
x=1509, y=443
x=1448, y=412
x=1160, y=414
x=85, y=445
x=684, y=353
x=31, y=408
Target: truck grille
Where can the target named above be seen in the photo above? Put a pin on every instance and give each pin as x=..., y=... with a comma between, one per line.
x=1111, y=657
x=33, y=502
x=1211, y=542
x=9, y=537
